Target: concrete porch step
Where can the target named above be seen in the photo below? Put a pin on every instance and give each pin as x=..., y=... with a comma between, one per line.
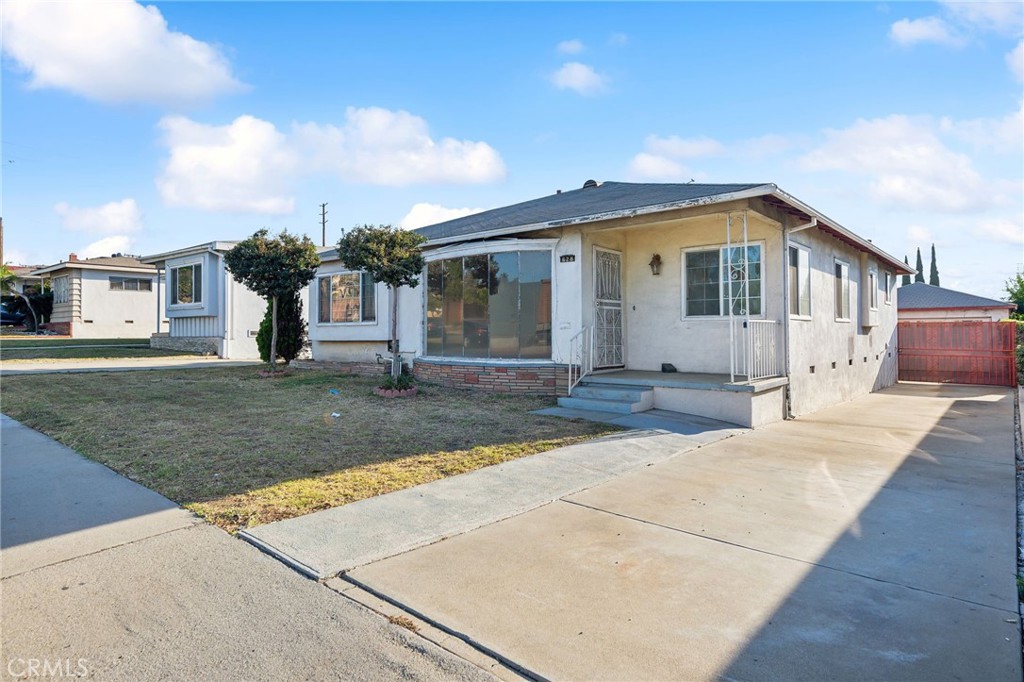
x=611, y=392
x=599, y=405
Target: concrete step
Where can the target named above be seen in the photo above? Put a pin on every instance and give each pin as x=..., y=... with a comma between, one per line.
x=609, y=392
x=599, y=405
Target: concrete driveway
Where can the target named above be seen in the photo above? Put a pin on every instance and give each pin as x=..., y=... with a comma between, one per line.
x=873, y=540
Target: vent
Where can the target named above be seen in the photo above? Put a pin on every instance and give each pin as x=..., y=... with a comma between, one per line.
x=251, y=333
x=591, y=183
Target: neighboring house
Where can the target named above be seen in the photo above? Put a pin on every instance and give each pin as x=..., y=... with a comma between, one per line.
x=208, y=311
x=24, y=282
x=765, y=307
x=109, y=297
x=920, y=302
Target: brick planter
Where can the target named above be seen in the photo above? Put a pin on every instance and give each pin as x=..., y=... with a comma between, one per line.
x=394, y=392
x=540, y=379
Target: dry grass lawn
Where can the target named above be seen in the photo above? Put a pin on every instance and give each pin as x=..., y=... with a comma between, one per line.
x=241, y=450
x=14, y=349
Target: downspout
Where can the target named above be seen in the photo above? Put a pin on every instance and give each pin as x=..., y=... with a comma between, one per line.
x=785, y=305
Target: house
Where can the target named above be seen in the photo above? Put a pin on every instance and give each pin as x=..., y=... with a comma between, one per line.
x=108, y=297
x=732, y=301
x=207, y=310
x=920, y=302
x=24, y=282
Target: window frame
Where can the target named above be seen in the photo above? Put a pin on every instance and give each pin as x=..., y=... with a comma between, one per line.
x=800, y=248
x=173, y=279
x=124, y=282
x=362, y=321
x=722, y=314
x=837, y=282
x=872, y=289
x=889, y=278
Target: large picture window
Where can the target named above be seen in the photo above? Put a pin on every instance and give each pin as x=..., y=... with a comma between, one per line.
x=187, y=284
x=714, y=277
x=490, y=306
x=347, y=298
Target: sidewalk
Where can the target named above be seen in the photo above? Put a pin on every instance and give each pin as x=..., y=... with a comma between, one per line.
x=14, y=368
x=99, y=570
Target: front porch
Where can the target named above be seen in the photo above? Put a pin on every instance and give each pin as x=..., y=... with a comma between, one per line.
x=716, y=396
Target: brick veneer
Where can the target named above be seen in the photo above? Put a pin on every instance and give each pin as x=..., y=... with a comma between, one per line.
x=531, y=379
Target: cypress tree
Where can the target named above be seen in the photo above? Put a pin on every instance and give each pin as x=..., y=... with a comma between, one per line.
x=919, y=277
x=906, y=278
x=933, y=276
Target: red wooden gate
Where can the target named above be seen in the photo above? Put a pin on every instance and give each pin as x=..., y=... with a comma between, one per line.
x=958, y=352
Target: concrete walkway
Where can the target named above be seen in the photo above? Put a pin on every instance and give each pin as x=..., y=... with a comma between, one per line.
x=14, y=368
x=326, y=543
x=99, y=570
x=873, y=540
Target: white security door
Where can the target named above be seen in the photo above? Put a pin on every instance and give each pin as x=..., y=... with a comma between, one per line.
x=608, y=309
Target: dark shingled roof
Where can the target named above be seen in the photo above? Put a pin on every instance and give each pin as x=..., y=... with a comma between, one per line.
x=578, y=203
x=921, y=296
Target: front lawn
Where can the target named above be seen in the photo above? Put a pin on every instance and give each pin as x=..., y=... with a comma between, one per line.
x=241, y=450
x=48, y=348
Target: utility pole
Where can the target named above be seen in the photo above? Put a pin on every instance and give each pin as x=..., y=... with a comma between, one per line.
x=323, y=224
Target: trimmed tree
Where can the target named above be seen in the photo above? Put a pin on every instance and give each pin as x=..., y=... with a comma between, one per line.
x=919, y=277
x=933, y=274
x=389, y=255
x=273, y=267
x=291, y=329
x=906, y=278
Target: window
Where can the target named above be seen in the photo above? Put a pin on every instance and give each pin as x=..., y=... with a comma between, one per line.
x=887, y=280
x=799, y=281
x=187, y=284
x=713, y=277
x=130, y=284
x=490, y=306
x=842, y=290
x=348, y=297
x=61, y=289
x=872, y=290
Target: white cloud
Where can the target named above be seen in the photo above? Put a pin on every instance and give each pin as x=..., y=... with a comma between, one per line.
x=423, y=214
x=1002, y=230
x=1006, y=18
x=382, y=147
x=243, y=166
x=907, y=32
x=918, y=234
x=644, y=167
x=683, y=148
x=763, y=146
x=580, y=78
x=116, y=217
x=571, y=46
x=106, y=247
x=117, y=52
x=1004, y=134
x=908, y=165
x=1015, y=60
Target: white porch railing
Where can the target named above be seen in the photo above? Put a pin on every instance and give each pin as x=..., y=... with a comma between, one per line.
x=756, y=349
x=581, y=356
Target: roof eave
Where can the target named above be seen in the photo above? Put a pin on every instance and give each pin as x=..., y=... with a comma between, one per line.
x=760, y=190
x=81, y=265
x=188, y=251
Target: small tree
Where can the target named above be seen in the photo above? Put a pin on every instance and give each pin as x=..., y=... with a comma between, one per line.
x=906, y=278
x=1015, y=294
x=273, y=268
x=933, y=274
x=919, y=277
x=389, y=255
x=291, y=329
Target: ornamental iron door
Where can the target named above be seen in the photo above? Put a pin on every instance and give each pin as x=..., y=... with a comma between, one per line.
x=608, y=309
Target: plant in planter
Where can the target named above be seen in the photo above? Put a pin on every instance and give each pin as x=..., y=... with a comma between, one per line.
x=400, y=387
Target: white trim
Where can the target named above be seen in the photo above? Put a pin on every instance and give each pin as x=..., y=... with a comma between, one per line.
x=723, y=308
x=890, y=279
x=202, y=286
x=872, y=289
x=849, y=305
x=479, y=248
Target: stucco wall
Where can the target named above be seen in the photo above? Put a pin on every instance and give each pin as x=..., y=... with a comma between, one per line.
x=989, y=314
x=114, y=314
x=357, y=341
x=864, y=358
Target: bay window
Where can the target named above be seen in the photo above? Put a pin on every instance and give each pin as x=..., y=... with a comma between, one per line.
x=187, y=284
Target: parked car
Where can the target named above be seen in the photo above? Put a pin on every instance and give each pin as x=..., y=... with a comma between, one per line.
x=10, y=317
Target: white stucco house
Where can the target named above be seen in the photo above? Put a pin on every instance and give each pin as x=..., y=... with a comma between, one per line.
x=920, y=302
x=737, y=302
x=207, y=310
x=108, y=297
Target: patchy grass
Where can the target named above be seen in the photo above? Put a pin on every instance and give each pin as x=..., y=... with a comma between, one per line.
x=31, y=340
x=241, y=450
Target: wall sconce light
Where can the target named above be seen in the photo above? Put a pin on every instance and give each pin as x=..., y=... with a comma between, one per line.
x=655, y=264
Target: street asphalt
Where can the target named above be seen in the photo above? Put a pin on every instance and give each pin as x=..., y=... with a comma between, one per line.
x=105, y=578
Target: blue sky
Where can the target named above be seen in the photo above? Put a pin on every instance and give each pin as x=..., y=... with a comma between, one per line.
x=142, y=128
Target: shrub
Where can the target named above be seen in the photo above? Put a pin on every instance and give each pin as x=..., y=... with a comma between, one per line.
x=291, y=332
x=403, y=382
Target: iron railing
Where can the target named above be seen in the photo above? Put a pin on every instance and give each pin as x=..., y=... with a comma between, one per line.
x=581, y=356
x=756, y=349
